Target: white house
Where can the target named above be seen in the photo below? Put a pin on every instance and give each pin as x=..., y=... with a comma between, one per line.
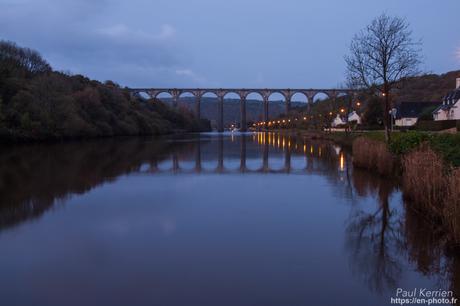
x=450, y=108
x=337, y=121
x=354, y=117
x=408, y=113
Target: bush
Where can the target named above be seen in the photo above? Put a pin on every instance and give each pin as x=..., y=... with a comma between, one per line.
x=447, y=145
x=402, y=143
x=427, y=114
x=430, y=125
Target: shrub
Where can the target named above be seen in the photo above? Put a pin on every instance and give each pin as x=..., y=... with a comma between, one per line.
x=430, y=125
x=445, y=144
x=402, y=143
x=448, y=145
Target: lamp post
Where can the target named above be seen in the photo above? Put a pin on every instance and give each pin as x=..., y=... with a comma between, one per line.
x=393, y=112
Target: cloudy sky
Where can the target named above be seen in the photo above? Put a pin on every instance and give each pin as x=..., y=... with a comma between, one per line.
x=219, y=43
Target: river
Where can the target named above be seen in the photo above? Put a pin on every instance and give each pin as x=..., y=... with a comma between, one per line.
x=253, y=219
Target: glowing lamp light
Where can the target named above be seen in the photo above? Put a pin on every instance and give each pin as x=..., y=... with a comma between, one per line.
x=342, y=110
x=304, y=118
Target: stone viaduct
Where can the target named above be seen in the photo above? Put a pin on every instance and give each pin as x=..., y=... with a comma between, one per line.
x=242, y=93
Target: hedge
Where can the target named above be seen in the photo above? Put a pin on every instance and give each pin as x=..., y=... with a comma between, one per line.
x=428, y=125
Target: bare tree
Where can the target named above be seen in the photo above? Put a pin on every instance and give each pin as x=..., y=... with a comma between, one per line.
x=13, y=57
x=381, y=55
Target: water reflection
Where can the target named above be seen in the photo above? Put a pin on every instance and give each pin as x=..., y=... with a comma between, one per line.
x=374, y=236
x=34, y=177
x=383, y=241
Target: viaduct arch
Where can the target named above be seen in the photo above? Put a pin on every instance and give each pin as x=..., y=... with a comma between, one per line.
x=242, y=93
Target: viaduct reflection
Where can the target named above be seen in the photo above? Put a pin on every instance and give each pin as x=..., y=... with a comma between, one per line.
x=33, y=178
x=282, y=146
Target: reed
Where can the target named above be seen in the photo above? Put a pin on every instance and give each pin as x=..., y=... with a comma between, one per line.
x=373, y=155
x=452, y=206
x=424, y=180
x=431, y=184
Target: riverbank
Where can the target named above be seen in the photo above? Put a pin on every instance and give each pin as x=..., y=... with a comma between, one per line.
x=341, y=138
x=428, y=166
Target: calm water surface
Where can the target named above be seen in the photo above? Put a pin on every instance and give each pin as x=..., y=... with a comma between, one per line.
x=256, y=219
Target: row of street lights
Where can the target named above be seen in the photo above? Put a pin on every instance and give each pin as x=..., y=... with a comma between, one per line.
x=287, y=121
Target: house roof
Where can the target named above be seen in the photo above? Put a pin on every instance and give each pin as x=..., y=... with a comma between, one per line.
x=413, y=109
x=453, y=96
x=437, y=109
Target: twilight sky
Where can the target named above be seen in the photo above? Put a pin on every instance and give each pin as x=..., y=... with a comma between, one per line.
x=219, y=43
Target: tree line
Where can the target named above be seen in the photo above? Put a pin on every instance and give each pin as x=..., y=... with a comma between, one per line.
x=38, y=103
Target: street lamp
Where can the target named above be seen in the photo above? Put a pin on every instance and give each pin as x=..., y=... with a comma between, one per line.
x=393, y=112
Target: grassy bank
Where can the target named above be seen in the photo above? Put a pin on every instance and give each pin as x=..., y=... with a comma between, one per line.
x=429, y=166
x=341, y=138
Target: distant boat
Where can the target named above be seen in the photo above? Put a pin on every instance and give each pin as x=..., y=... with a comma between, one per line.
x=234, y=130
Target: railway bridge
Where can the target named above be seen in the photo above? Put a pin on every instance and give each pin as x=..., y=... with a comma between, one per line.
x=198, y=93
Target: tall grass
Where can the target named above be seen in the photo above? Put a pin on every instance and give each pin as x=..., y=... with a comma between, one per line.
x=452, y=209
x=373, y=155
x=424, y=182
x=433, y=188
